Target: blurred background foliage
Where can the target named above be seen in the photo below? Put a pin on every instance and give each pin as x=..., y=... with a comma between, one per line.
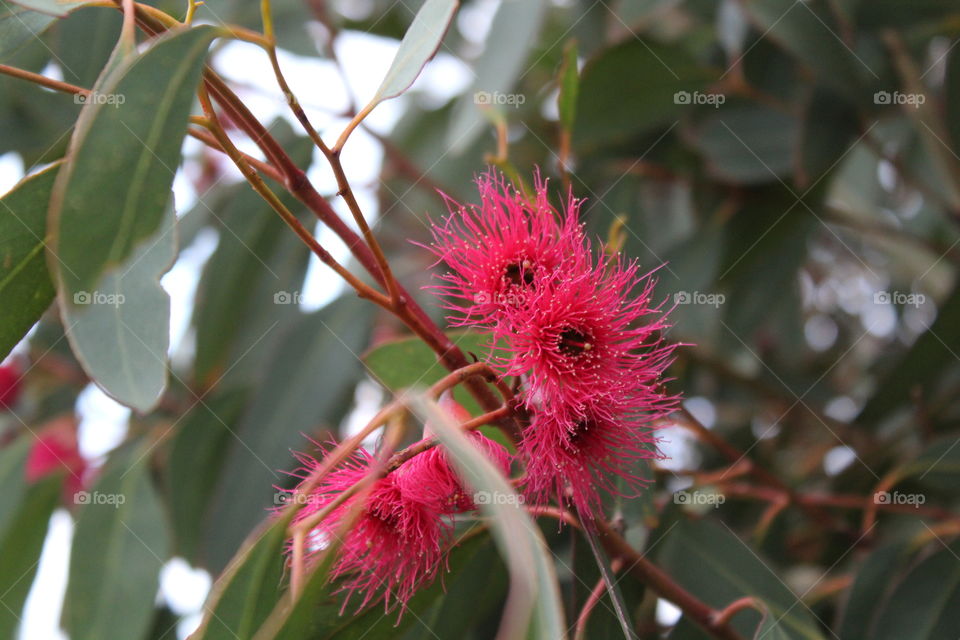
x=792, y=165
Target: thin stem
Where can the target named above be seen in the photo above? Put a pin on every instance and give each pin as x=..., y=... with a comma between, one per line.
x=363, y=289
x=726, y=614
x=592, y=601
x=43, y=81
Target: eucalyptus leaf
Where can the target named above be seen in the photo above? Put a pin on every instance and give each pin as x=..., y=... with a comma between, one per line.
x=120, y=544
x=25, y=287
x=112, y=192
x=120, y=332
x=418, y=46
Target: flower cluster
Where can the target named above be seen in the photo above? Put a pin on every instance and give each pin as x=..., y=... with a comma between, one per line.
x=577, y=328
x=404, y=530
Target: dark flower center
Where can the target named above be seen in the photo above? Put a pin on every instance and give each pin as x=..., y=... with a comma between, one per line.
x=573, y=342
x=519, y=273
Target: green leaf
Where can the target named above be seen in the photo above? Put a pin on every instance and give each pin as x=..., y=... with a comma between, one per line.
x=418, y=46
x=120, y=331
x=25, y=287
x=717, y=567
x=504, y=58
x=409, y=362
x=196, y=460
x=569, y=86
x=52, y=7
x=748, y=143
x=121, y=542
x=20, y=547
x=633, y=88
x=938, y=466
x=809, y=31
x=873, y=583
x=309, y=383
x=534, y=597
x=111, y=194
x=926, y=604
x=249, y=588
x=919, y=367
x=19, y=26
x=13, y=459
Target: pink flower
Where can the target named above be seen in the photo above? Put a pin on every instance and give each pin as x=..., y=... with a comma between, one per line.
x=55, y=450
x=395, y=547
x=574, y=460
x=588, y=338
x=403, y=534
x=501, y=251
x=9, y=385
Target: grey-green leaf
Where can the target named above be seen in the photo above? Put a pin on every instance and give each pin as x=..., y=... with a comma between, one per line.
x=111, y=194
x=19, y=26
x=512, y=34
x=120, y=544
x=419, y=44
x=25, y=287
x=120, y=331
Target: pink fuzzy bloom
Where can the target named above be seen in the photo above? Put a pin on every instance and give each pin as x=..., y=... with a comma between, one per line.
x=429, y=477
x=394, y=548
x=9, y=385
x=590, y=338
x=404, y=532
x=55, y=450
x=501, y=251
x=574, y=460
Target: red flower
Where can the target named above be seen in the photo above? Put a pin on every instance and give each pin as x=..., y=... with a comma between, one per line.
x=573, y=460
x=55, y=450
x=9, y=385
x=587, y=339
x=395, y=547
x=504, y=249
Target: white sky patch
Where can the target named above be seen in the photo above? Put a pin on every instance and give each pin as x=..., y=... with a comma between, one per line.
x=41, y=615
x=11, y=170
x=103, y=422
